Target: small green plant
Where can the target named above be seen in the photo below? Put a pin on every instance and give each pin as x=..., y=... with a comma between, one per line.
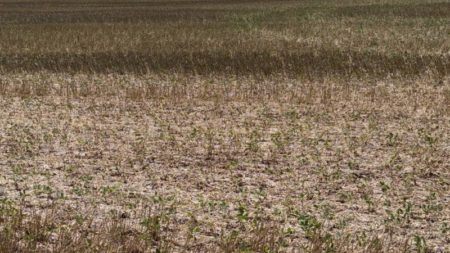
x=42, y=189
x=420, y=244
x=233, y=164
x=445, y=228
x=79, y=191
x=427, y=137
x=108, y=190
x=243, y=214
x=384, y=187
x=392, y=139
x=309, y=224
x=370, y=205
x=278, y=139
x=431, y=205
x=402, y=215
x=253, y=144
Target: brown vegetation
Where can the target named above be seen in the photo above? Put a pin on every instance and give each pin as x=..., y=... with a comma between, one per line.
x=224, y=126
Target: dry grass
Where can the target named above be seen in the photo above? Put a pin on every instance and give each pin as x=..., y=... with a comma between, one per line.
x=224, y=126
x=306, y=40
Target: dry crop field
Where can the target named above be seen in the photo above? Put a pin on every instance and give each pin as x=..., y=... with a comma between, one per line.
x=224, y=126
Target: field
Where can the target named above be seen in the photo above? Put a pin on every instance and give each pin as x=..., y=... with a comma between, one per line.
x=224, y=126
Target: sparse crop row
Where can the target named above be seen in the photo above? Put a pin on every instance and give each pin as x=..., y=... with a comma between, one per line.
x=311, y=64
x=309, y=40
